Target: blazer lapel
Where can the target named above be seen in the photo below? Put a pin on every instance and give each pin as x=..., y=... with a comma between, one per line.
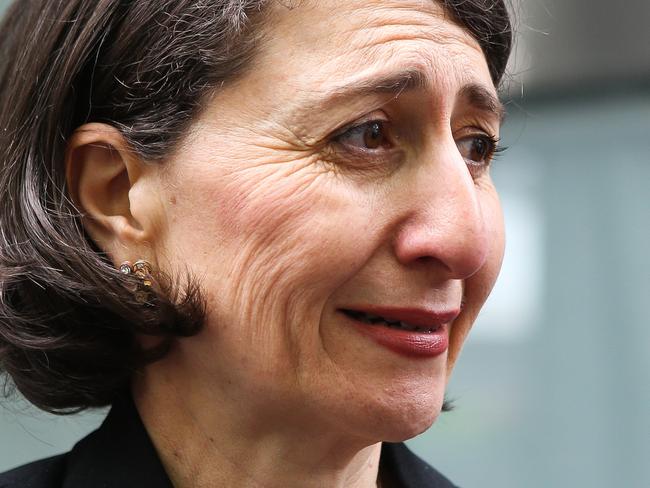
x=119, y=454
x=406, y=470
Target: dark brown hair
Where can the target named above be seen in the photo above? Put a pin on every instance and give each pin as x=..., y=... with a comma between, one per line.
x=68, y=320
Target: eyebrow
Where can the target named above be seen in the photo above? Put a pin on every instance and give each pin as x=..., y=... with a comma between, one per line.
x=394, y=84
x=411, y=80
x=480, y=97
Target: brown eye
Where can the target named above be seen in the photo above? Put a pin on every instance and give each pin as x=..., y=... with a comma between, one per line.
x=367, y=136
x=373, y=136
x=477, y=150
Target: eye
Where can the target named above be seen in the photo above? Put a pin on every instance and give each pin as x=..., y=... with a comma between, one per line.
x=477, y=150
x=369, y=136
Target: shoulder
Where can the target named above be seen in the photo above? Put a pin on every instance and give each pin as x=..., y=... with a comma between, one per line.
x=46, y=473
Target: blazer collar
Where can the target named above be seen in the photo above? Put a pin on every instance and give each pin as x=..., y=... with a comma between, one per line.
x=118, y=454
x=121, y=454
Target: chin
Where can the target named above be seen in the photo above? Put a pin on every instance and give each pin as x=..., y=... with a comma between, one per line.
x=401, y=418
x=406, y=427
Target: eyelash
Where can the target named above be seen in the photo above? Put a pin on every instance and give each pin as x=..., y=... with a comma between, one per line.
x=359, y=129
x=476, y=167
x=491, y=151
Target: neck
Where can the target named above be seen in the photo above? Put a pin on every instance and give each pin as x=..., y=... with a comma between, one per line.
x=205, y=439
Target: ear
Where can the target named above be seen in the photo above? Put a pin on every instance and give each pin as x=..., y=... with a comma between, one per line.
x=103, y=175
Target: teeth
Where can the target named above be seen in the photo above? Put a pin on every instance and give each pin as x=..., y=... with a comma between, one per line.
x=409, y=326
x=396, y=324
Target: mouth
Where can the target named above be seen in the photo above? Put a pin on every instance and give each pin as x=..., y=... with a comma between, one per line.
x=372, y=319
x=410, y=332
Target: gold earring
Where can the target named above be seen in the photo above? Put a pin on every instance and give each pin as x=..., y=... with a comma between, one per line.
x=142, y=270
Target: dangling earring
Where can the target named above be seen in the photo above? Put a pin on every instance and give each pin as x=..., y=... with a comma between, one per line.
x=142, y=270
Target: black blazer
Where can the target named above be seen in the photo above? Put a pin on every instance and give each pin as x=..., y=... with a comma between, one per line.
x=120, y=454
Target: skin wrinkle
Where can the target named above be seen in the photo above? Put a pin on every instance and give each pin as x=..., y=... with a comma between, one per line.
x=267, y=252
x=267, y=134
x=267, y=258
x=308, y=112
x=290, y=234
x=243, y=192
x=420, y=66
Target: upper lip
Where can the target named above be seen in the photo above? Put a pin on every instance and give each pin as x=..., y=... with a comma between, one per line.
x=420, y=317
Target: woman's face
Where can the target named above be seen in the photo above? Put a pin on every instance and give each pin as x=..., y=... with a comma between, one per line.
x=345, y=174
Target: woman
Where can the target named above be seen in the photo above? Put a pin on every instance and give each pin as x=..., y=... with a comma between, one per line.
x=260, y=231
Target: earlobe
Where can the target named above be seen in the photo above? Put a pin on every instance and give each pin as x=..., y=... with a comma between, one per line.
x=101, y=170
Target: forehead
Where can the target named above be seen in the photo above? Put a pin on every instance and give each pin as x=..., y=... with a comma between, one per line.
x=320, y=43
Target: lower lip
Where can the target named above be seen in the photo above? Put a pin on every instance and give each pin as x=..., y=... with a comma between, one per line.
x=406, y=342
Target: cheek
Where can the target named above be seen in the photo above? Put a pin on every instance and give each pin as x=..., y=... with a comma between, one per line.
x=274, y=241
x=479, y=286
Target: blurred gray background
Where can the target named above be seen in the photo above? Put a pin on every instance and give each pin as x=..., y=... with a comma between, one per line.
x=553, y=387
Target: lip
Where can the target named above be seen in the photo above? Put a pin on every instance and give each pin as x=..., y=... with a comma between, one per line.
x=421, y=317
x=404, y=342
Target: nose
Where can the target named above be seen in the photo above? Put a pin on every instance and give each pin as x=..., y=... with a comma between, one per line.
x=444, y=223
